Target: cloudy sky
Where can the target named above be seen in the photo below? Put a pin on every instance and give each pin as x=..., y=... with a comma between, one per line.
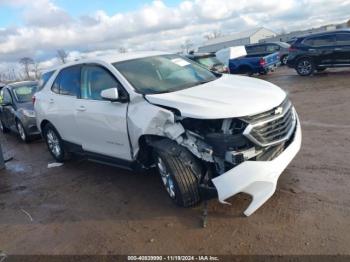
x=37, y=28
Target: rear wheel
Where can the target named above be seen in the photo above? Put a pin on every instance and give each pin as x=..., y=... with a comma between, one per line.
x=22, y=132
x=3, y=128
x=305, y=67
x=54, y=143
x=179, y=171
x=284, y=60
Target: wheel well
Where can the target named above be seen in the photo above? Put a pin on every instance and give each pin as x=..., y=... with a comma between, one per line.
x=43, y=124
x=303, y=57
x=245, y=68
x=145, y=153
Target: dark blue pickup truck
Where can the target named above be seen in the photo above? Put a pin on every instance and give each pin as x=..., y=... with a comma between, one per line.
x=254, y=64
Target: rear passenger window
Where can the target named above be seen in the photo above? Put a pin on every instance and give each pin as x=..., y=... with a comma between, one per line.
x=68, y=81
x=272, y=48
x=325, y=40
x=343, y=39
x=44, y=79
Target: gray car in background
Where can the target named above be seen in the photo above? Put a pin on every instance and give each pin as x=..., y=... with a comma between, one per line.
x=17, y=110
x=269, y=48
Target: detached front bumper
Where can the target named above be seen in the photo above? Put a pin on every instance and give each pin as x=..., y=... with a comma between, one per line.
x=256, y=178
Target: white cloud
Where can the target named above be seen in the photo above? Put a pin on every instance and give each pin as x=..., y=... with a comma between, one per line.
x=47, y=27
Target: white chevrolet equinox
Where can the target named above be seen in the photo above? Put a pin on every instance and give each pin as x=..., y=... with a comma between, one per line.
x=209, y=135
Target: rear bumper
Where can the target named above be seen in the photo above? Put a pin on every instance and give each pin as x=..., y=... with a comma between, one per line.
x=256, y=178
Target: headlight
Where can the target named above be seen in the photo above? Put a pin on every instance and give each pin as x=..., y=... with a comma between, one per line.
x=28, y=113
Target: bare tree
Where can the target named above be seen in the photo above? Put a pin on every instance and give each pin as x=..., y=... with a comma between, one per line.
x=348, y=23
x=36, y=70
x=212, y=35
x=186, y=47
x=122, y=50
x=26, y=62
x=62, y=55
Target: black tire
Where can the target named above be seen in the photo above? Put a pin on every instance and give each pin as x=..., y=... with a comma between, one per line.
x=22, y=133
x=3, y=128
x=53, y=139
x=305, y=67
x=284, y=60
x=183, y=170
x=263, y=73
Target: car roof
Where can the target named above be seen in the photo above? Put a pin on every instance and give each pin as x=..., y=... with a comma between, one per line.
x=22, y=83
x=118, y=57
x=324, y=33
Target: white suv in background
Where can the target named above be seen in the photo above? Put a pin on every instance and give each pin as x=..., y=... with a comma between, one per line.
x=209, y=135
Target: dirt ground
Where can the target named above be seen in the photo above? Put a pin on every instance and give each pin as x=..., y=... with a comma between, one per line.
x=87, y=208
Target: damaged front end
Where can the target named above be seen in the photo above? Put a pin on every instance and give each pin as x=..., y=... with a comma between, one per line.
x=243, y=154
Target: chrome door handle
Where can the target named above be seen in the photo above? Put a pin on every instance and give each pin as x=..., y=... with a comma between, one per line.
x=338, y=49
x=81, y=108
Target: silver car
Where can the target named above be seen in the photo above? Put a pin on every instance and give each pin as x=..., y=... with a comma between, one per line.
x=17, y=110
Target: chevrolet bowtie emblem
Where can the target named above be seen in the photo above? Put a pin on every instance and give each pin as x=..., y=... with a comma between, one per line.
x=279, y=110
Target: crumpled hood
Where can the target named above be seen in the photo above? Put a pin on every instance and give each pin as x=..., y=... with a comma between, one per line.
x=229, y=96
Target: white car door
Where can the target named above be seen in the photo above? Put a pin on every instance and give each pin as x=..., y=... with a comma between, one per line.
x=60, y=103
x=102, y=124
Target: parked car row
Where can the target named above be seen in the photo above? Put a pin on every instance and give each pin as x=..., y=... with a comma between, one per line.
x=317, y=52
x=306, y=54
x=209, y=135
x=17, y=110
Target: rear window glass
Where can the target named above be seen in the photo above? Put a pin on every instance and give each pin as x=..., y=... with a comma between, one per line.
x=24, y=93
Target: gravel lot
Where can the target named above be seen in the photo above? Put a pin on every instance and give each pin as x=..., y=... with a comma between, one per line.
x=87, y=208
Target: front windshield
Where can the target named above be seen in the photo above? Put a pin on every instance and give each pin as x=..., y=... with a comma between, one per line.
x=24, y=93
x=163, y=74
x=209, y=61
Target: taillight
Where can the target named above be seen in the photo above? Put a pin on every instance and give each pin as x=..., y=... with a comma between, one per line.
x=33, y=99
x=292, y=49
x=262, y=61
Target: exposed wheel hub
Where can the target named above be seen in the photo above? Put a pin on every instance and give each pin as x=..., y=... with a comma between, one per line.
x=166, y=178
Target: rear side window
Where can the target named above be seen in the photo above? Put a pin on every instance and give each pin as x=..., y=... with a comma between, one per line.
x=272, y=48
x=343, y=39
x=44, y=79
x=68, y=81
x=318, y=41
x=256, y=49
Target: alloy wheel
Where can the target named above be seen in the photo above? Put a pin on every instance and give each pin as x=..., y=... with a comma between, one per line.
x=285, y=60
x=166, y=178
x=21, y=131
x=53, y=143
x=305, y=67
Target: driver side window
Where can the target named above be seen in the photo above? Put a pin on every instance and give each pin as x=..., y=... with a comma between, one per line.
x=7, y=98
x=94, y=80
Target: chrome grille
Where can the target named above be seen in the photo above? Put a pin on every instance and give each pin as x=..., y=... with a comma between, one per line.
x=272, y=127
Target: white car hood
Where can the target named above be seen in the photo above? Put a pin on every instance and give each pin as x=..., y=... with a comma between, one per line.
x=229, y=96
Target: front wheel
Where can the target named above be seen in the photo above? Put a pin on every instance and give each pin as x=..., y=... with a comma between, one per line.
x=54, y=143
x=305, y=67
x=178, y=170
x=3, y=128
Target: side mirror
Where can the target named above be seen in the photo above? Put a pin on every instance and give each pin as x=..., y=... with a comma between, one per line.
x=111, y=94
